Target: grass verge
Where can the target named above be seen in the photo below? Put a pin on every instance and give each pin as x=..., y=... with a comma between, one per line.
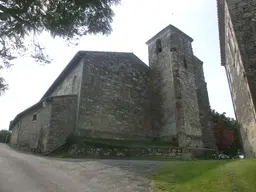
x=206, y=176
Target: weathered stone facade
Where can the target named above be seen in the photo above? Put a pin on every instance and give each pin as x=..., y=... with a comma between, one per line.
x=204, y=105
x=63, y=120
x=118, y=96
x=115, y=97
x=237, y=26
x=29, y=128
x=46, y=125
x=178, y=90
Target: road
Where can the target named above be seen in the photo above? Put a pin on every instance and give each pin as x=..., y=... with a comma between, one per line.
x=21, y=172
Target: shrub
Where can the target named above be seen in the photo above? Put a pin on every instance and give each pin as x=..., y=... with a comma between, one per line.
x=5, y=136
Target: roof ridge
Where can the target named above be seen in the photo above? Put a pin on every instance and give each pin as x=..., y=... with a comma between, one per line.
x=169, y=27
x=113, y=52
x=75, y=61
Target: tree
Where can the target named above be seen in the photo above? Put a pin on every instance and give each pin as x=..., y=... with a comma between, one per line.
x=5, y=136
x=21, y=20
x=224, y=137
x=227, y=133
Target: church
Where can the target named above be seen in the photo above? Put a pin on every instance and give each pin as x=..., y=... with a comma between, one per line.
x=116, y=95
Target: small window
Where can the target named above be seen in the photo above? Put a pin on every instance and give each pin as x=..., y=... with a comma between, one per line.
x=34, y=117
x=158, y=46
x=74, y=84
x=185, y=63
x=173, y=49
x=243, y=74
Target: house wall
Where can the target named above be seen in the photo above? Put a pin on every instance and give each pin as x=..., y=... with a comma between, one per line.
x=32, y=135
x=55, y=122
x=115, y=97
x=237, y=65
x=243, y=16
x=63, y=120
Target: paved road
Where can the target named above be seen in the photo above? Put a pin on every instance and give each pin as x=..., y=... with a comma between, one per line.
x=28, y=173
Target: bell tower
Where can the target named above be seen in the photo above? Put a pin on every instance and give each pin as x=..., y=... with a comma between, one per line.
x=174, y=100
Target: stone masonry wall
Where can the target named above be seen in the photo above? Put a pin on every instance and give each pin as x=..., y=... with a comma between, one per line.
x=15, y=133
x=163, y=94
x=174, y=83
x=71, y=83
x=186, y=96
x=90, y=150
x=115, y=97
x=240, y=55
x=32, y=135
x=63, y=120
x=204, y=106
x=243, y=15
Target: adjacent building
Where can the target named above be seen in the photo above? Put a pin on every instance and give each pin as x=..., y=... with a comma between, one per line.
x=237, y=30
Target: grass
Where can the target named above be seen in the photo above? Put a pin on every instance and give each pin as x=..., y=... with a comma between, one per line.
x=207, y=176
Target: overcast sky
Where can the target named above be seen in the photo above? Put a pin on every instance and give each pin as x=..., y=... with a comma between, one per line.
x=135, y=22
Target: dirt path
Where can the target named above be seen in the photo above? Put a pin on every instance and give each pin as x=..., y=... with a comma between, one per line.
x=28, y=173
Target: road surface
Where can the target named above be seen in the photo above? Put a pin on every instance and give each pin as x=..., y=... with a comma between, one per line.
x=21, y=172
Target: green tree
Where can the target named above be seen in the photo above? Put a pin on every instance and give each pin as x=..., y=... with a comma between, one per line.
x=5, y=136
x=21, y=20
x=229, y=124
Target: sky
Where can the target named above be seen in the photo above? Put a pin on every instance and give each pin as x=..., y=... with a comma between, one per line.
x=135, y=22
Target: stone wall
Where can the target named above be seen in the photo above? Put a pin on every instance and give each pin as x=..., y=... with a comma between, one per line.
x=46, y=125
x=163, y=94
x=243, y=15
x=115, y=97
x=71, y=83
x=80, y=147
x=241, y=67
x=32, y=134
x=63, y=120
x=99, y=150
x=15, y=133
x=174, y=89
x=204, y=106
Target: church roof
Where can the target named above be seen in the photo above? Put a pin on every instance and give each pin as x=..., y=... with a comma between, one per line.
x=97, y=56
x=166, y=29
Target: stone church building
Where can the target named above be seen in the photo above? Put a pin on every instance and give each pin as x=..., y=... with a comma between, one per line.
x=116, y=95
x=237, y=30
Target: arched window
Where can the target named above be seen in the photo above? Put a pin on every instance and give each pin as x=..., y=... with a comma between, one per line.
x=74, y=84
x=158, y=46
